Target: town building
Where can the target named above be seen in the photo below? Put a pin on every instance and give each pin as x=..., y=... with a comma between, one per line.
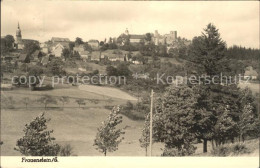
x=57, y=50
x=132, y=38
x=36, y=56
x=45, y=60
x=44, y=48
x=63, y=41
x=56, y=45
x=81, y=49
x=94, y=44
x=135, y=38
x=166, y=39
x=24, y=58
x=19, y=42
x=250, y=73
x=95, y=56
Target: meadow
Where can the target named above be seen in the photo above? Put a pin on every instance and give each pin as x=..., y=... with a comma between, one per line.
x=77, y=126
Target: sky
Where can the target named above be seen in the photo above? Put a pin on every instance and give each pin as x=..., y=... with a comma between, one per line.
x=237, y=21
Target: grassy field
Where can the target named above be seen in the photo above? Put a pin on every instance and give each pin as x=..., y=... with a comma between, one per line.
x=73, y=125
x=107, y=91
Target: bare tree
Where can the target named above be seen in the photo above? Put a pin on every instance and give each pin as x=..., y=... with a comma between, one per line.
x=26, y=101
x=47, y=99
x=80, y=102
x=64, y=99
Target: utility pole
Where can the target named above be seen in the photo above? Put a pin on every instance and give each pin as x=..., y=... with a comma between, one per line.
x=151, y=123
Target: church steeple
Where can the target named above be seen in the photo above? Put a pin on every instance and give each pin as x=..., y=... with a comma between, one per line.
x=126, y=32
x=18, y=34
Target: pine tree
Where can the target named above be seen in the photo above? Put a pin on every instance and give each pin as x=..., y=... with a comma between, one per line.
x=37, y=140
x=208, y=56
x=108, y=135
x=208, y=50
x=248, y=122
x=225, y=127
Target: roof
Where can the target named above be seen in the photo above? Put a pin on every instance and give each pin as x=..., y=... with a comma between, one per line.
x=93, y=41
x=58, y=45
x=43, y=45
x=84, y=52
x=27, y=40
x=22, y=57
x=36, y=53
x=135, y=36
x=59, y=39
x=250, y=71
x=115, y=56
x=45, y=60
x=80, y=46
x=136, y=53
x=95, y=54
x=115, y=51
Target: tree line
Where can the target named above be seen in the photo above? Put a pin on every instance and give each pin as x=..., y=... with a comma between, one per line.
x=220, y=113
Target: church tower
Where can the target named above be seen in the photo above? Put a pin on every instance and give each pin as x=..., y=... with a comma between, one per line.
x=18, y=34
x=126, y=32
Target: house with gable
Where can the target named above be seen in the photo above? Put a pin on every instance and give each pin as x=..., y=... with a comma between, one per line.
x=132, y=38
x=81, y=49
x=57, y=50
x=94, y=44
x=250, y=73
x=58, y=40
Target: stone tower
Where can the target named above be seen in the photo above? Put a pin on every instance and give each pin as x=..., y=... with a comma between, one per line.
x=18, y=34
x=126, y=32
x=174, y=35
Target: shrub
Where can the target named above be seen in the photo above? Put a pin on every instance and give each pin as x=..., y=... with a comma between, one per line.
x=240, y=148
x=175, y=152
x=233, y=149
x=66, y=150
x=43, y=88
x=134, y=115
x=221, y=151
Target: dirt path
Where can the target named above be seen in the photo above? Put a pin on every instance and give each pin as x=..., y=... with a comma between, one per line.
x=107, y=91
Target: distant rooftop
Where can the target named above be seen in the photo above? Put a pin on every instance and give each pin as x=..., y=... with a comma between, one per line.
x=136, y=36
x=93, y=41
x=59, y=39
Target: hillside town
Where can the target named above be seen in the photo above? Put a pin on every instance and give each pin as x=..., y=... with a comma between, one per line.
x=127, y=47
x=91, y=50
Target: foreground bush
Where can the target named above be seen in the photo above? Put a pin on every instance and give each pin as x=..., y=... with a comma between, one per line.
x=233, y=149
x=66, y=150
x=181, y=152
x=37, y=140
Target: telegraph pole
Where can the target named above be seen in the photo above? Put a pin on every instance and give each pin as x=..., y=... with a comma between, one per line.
x=151, y=123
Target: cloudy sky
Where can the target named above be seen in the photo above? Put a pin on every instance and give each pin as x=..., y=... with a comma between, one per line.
x=238, y=22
